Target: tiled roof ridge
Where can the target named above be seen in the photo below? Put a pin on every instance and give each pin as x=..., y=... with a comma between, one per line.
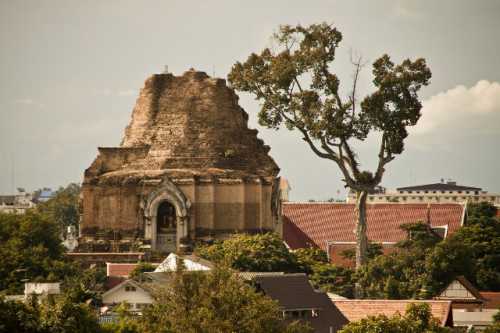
x=291, y=203
x=394, y=300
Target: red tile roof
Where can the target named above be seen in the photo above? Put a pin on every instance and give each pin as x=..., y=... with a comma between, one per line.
x=122, y=270
x=355, y=310
x=313, y=224
x=492, y=299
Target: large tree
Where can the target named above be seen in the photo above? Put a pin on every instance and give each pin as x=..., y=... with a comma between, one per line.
x=215, y=301
x=30, y=249
x=298, y=89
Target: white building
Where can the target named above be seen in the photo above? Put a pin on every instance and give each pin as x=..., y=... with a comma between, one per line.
x=443, y=192
x=191, y=263
x=17, y=203
x=129, y=292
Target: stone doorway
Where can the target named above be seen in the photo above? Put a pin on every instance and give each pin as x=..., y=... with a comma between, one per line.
x=166, y=217
x=166, y=227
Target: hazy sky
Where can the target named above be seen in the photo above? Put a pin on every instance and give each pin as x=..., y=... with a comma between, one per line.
x=71, y=71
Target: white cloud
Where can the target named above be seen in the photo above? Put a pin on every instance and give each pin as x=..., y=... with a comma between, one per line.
x=469, y=110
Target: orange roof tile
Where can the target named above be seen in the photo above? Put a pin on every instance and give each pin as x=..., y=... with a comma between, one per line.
x=355, y=310
x=492, y=299
x=122, y=270
x=313, y=224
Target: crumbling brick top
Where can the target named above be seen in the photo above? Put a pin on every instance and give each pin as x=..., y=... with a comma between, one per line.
x=185, y=125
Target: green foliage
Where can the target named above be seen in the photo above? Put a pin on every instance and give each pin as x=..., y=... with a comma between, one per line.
x=62, y=208
x=253, y=253
x=423, y=264
x=19, y=317
x=64, y=315
x=267, y=253
x=127, y=322
x=297, y=89
x=402, y=273
x=59, y=314
x=307, y=258
x=217, y=301
x=483, y=209
x=373, y=250
x=332, y=278
x=479, y=242
x=86, y=285
x=322, y=274
x=140, y=269
x=417, y=319
x=31, y=249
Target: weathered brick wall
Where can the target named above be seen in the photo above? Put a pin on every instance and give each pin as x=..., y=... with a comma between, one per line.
x=191, y=130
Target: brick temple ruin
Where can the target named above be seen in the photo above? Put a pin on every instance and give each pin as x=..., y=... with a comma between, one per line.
x=188, y=168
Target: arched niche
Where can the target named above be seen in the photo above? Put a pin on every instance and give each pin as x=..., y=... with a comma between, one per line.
x=166, y=192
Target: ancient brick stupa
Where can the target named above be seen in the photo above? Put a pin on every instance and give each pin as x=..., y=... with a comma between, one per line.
x=188, y=168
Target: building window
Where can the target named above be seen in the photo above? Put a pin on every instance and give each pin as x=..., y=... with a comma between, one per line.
x=466, y=192
x=410, y=192
x=426, y=191
x=476, y=192
x=129, y=288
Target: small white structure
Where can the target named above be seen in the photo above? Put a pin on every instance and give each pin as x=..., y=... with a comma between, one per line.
x=130, y=292
x=191, y=263
x=42, y=289
x=18, y=203
x=71, y=241
x=478, y=320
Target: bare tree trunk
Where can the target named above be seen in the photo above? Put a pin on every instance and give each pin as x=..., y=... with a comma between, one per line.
x=361, y=238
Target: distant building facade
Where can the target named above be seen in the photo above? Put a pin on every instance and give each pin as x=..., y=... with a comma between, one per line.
x=20, y=202
x=443, y=192
x=17, y=203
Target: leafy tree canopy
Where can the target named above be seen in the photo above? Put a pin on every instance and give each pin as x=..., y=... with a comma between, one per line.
x=423, y=264
x=30, y=248
x=62, y=208
x=298, y=89
x=254, y=253
x=140, y=269
x=267, y=253
x=217, y=301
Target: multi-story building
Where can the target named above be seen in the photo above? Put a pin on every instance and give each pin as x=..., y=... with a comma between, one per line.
x=17, y=203
x=443, y=192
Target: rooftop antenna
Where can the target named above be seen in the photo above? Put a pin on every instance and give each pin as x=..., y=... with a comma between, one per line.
x=165, y=71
